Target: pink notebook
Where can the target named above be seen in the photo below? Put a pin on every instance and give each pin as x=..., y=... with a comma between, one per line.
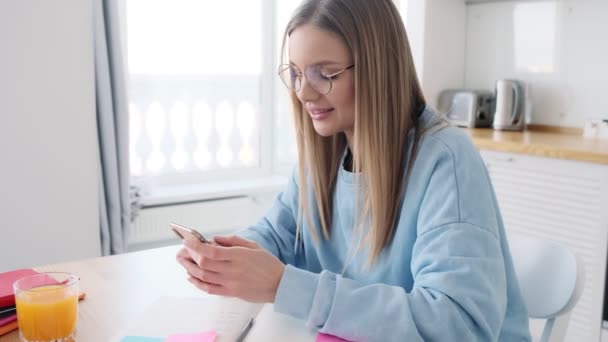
x=8, y=319
x=7, y=296
x=329, y=338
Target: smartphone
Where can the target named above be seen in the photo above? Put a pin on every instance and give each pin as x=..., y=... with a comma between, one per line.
x=184, y=232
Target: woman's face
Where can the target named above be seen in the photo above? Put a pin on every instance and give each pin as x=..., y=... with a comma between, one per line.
x=333, y=112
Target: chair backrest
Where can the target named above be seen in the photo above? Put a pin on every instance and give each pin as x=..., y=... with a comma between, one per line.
x=551, y=279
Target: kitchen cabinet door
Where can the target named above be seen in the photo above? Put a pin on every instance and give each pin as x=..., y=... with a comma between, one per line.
x=564, y=201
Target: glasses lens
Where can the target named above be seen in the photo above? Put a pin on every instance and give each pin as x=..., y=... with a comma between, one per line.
x=317, y=79
x=289, y=76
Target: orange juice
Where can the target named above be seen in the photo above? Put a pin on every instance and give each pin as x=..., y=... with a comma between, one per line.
x=47, y=312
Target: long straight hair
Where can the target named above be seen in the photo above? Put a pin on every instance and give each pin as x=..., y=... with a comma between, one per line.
x=388, y=98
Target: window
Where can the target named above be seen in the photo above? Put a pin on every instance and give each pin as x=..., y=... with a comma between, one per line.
x=202, y=89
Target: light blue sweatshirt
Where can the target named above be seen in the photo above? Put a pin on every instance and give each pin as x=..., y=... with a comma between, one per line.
x=447, y=275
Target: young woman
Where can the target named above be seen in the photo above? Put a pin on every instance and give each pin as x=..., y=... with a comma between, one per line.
x=389, y=229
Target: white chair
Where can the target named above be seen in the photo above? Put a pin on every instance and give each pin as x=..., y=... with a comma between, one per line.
x=551, y=279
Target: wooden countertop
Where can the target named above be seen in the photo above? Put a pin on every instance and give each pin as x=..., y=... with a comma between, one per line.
x=543, y=144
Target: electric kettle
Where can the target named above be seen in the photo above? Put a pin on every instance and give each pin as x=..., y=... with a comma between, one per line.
x=510, y=106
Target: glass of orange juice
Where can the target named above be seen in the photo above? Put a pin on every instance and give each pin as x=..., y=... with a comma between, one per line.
x=47, y=307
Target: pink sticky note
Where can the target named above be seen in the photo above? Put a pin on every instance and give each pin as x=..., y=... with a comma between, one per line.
x=329, y=338
x=208, y=336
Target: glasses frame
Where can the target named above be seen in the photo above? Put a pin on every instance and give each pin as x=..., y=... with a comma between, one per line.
x=301, y=75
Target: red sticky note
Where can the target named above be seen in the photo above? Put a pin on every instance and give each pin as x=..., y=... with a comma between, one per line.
x=7, y=296
x=329, y=338
x=208, y=336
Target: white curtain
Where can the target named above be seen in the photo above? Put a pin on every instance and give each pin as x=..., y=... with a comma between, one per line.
x=118, y=201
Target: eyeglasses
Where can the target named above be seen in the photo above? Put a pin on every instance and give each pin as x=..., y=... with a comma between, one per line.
x=318, y=80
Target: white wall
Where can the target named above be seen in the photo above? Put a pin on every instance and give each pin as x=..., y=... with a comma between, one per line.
x=48, y=181
x=558, y=47
x=436, y=31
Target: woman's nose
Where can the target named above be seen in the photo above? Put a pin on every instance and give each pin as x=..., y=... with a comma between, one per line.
x=306, y=92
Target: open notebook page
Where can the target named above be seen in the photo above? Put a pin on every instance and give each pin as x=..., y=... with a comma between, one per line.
x=175, y=315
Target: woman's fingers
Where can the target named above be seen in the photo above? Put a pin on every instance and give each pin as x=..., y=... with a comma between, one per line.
x=213, y=289
x=212, y=265
x=198, y=249
x=204, y=275
x=183, y=253
x=188, y=265
x=234, y=240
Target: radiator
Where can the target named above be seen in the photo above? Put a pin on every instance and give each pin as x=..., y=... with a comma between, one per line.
x=212, y=217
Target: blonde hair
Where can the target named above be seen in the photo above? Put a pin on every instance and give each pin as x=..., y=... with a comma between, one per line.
x=388, y=99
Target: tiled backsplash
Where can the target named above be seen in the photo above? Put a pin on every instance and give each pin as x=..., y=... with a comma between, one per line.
x=559, y=47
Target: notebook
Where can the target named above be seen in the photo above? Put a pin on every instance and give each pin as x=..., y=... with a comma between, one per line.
x=5, y=329
x=7, y=296
x=182, y=315
x=4, y=320
x=328, y=338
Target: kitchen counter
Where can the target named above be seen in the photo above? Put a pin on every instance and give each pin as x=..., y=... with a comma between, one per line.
x=543, y=144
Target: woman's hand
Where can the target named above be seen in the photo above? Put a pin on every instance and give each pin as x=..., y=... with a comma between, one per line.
x=232, y=267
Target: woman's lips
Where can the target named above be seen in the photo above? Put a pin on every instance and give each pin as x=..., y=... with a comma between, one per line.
x=320, y=113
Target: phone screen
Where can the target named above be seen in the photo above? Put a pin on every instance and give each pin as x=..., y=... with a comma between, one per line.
x=184, y=232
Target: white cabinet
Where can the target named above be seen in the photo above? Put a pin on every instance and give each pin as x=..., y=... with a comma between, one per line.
x=564, y=201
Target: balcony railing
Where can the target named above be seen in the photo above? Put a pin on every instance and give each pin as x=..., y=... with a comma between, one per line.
x=184, y=124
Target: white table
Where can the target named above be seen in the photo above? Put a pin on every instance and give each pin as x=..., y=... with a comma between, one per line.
x=119, y=287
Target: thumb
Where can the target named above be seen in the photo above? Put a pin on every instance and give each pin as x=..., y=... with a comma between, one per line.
x=234, y=241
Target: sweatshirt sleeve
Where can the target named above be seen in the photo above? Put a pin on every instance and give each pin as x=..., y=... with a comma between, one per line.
x=276, y=231
x=459, y=289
